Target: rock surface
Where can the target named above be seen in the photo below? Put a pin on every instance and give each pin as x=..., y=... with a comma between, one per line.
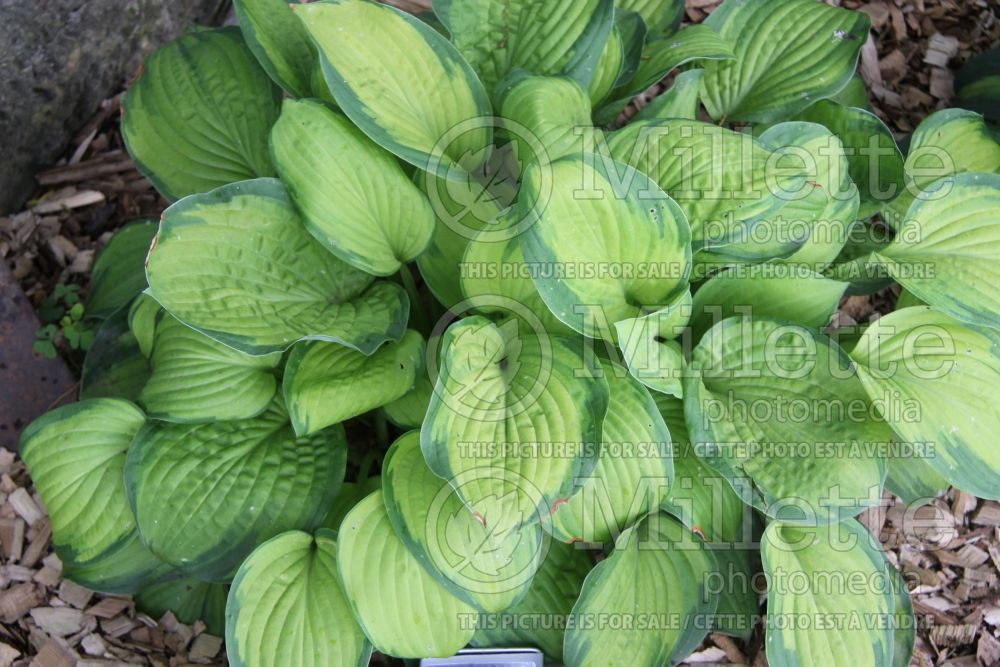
x=60, y=58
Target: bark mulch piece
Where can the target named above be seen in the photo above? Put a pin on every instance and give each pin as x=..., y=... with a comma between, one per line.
x=48, y=621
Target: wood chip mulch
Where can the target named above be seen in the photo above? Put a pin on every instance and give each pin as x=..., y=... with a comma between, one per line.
x=48, y=621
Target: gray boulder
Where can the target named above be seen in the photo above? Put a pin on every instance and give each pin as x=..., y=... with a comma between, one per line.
x=60, y=58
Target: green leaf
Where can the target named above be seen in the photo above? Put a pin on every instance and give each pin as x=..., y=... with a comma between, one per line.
x=553, y=591
x=199, y=115
x=655, y=573
x=354, y=197
x=190, y=600
x=934, y=378
x=408, y=410
x=678, y=101
x=914, y=480
x=798, y=51
x=608, y=66
x=489, y=568
x=287, y=607
x=978, y=84
x=634, y=470
x=351, y=493
x=874, y=160
x=142, y=317
x=729, y=198
x=700, y=497
x=402, y=609
x=827, y=204
x=661, y=55
x=652, y=355
x=76, y=454
x=844, y=625
x=114, y=366
x=326, y=383
x=196, y=379
x=238, y=264
x=462, y=208
x=401, y=82
x=544, y=37
x=118, y=272
x=858, y=264
x=613, y=248
x=947, y=143
x=525, y=393
x=280, y=43
x=801, y=297
x=945, y=252
x=543, y=115
x=782, y=405
x=497, y=281
x=659, y=15
x=205, y=495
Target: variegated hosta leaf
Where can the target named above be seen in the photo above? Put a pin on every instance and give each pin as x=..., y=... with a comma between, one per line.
x=488, y=567
x=197, y=379
x=114, y=366
x=408, y=410
x=462, y=208
x=705, y=502
x=800, y=297
x=827, y=204
x=497, y=282
x=947, y=143
x=545, y=114
x=402, y=609
x=634, y=470
x=842, y=625
x=401, y=82
x=781, y=405
x=238, y=264
x=326, y=383
x=608, y=65
x=615, y=246
x=653, y=584
x=205, y=495
x=514, y=419
x=199, y=115
x=873, y=159
x=659, y=15
x=647, y=342
x=287, y=607
x=724, y=182
x=545, y=37
x=280, y=43
x=678, y=101
x=936, y=379
x=354, y=197
x=76, y=454
x=914, y=480
x=351, y=493
x=946, y=250
x=553, y=591
x=142, y=317
x=118, y=274
x=858, y=264
x=189, y=600
x=797, y=52
x=662, y=54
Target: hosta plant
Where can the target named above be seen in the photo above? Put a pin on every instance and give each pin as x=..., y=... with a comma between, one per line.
x=439, y=345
